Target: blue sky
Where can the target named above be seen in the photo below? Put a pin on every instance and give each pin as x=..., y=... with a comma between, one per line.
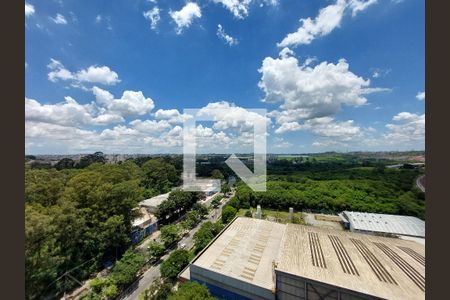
x=116, y=76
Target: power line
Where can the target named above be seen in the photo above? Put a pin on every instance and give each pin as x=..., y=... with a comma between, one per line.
x=67, y=275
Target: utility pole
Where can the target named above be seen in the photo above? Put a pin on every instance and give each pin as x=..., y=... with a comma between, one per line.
x=66, y=275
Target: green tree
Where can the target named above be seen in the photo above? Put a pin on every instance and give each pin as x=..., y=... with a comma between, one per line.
x=205, y=234
x=228, y=213
x=191, y=291
x=174, y=264
x=65, y=163
x=110, y=291
x=177, y=202
x=75, y=216
x=102, y=288
x=42, y=255
x=30, y=157
x=156, y=249
x=216, y=174
x=44, y=186
x=159, y=175
x=159, y=290
x=248, y=214
x=215, y=202
x=127, y=268
x=170, y=234
x=201, y=209
x=225, y=189
x=97, y=157
x=191, y=220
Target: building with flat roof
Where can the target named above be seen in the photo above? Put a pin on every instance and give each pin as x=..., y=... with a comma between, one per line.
x=383, y=224
x=151, y=204
x=259, y=259
x=143, y=226
x=144, y=219
x=204, y=185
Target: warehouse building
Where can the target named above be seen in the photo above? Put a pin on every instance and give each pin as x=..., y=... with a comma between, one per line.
x=383, y=224
x=208, y=186
x=258, y=259
x=151, y=204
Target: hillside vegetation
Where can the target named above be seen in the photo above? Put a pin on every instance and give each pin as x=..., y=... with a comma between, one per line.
x=366, y=189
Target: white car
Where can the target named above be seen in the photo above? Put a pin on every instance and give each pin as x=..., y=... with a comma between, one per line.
x=182, y=246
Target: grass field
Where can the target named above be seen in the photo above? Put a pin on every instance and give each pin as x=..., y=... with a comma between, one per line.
x=274, y=215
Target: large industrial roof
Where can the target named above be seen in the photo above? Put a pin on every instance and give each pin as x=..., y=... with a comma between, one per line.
x=388, y=268
x=383, y=267
x=394, y=224
x=245, y=251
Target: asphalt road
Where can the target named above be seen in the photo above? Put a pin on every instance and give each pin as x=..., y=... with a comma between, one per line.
x=153, y=272
x=419, y=183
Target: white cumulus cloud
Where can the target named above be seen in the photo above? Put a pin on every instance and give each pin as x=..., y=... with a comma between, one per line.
x=239, y=8
x=328, y=19
x=29, y=10
x=409, y=128
x=171, y=115
x=150, y=125
x=93, y=74
x=98, y=74
x=229, y=40
x=67, y=113
x=229, y=116
x=185, y=16
x=307, y=91
x=59, y=19
x=288, y=126
x=420, y=96
x=132, y=103
x=360, y=5
x=153, y=16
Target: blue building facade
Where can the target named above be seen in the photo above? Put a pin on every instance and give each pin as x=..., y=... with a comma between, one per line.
x=140, y=233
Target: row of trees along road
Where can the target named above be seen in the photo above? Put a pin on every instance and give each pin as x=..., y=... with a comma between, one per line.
x=177, y=204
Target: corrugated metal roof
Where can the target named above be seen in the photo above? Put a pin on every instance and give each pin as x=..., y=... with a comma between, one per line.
x=249, y=250
x=245, y=251
x=383, y=223
x=154, y=201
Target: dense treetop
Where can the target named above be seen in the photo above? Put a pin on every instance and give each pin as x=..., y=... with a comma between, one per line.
x=74, y=215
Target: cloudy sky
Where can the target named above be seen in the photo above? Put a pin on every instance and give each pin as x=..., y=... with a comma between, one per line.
x=115, y=76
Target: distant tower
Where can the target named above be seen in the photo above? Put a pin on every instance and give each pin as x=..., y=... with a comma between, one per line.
x=258, y=212
x=291, y=214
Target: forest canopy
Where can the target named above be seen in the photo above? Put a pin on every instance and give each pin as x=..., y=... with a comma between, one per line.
x=79, y=215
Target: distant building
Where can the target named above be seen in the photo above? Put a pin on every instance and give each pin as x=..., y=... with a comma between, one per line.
x=383, y=224
x=211, y=189
x=208, y=188
x=258, y=259
x=231, y=180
